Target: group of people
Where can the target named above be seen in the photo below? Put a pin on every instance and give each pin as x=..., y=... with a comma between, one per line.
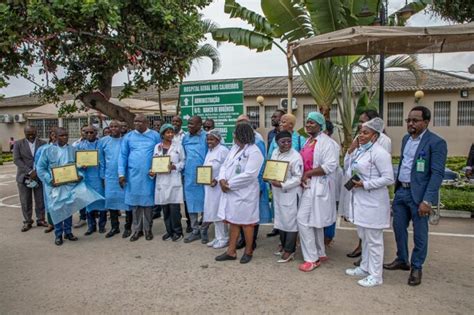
x=316, y=188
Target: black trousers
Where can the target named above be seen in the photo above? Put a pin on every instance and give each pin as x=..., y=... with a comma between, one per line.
x=172, y=218
x=128, y=220
x=114, y=219
x=288, y=241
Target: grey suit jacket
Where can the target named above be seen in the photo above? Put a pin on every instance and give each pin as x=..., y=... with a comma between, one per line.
x=23, y=158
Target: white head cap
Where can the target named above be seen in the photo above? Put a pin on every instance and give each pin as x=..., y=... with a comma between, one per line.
x=375, y=124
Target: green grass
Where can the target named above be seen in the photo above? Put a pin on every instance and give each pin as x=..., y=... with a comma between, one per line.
x=6, y=157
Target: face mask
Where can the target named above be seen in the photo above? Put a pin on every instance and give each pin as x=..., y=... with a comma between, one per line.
x=367, y=145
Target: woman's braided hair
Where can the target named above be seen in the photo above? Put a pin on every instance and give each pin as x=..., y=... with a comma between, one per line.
x=244, y=133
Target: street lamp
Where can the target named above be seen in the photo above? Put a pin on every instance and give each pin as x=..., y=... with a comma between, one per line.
x=260, y=99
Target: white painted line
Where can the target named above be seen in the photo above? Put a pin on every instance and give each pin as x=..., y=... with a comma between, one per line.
x=347, y=228
x=2, y=204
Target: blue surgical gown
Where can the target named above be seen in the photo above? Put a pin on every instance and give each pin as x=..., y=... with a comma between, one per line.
x=195, y=148
x=136, y=154
x=92, y=176
x=109, y=150
x=64, y=200
x=264, y=206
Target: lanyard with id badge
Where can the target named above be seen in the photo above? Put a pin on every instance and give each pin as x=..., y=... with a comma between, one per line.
x=420, y=162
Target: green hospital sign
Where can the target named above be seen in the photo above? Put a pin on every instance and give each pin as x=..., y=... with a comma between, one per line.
x=221, y=101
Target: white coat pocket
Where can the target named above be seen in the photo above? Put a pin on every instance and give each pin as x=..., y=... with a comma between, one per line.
x=321, y=187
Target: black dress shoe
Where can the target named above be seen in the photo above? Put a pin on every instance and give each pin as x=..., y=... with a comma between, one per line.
x=415, y=277
x=189, y=229
x=355, y=253
x=89, y=232
x=274, y=232
x=357, y=263
x=126, y=233
x=245, y=259
x=148, y=236
x=49, y=229
x=42, y=223
x=58, y=241
x=70, y=237
x=396, y=265
x=112, y=233
x=225, y=257
x=26, y=227
x=136, y=236
x=102, y=230
x=240, y=244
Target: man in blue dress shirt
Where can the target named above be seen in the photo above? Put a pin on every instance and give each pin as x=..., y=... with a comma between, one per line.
x=420, y=173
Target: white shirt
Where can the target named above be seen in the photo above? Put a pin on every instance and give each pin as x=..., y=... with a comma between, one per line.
x=32, y=146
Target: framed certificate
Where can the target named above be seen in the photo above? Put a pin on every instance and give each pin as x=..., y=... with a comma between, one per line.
x=204, y=175
x=87, y=158
x=65, y=174
x=275, y=170
x=161, y=164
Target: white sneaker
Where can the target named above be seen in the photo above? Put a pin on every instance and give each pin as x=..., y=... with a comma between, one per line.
x=369, y=282
x=356, y=272
x=220, y=244
x=211, y=243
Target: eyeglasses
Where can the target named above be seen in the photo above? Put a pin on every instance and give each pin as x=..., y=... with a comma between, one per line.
x=89, y=132
x=284, y=141
x=413, y=120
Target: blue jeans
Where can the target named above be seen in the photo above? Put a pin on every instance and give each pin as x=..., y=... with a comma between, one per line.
x=91, y=222
x=404, y=210
x=330, y=231
x=63, y=227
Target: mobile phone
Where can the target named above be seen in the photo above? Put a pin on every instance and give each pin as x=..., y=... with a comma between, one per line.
x=350, y=184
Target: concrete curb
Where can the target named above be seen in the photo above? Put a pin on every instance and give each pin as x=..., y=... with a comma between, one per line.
x=456, y=214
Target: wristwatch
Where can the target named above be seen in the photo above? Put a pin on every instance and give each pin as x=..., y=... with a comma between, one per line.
x=427, y=203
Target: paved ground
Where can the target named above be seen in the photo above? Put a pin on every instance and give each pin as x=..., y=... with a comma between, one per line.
x=98, y=275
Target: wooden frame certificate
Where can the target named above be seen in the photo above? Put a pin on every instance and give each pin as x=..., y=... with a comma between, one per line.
x=204, y=175
x=87, y=158
x=65, y=174
x=275, y=170
x=161, y=164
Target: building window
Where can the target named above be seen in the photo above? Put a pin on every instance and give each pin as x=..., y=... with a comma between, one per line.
x=254, y=114
x=333, y=113
x=442, y=113
x=308, y=108
x=395, y=114
x=466, y=113
x=43, y=126
x=269, y=110
x=73, y=126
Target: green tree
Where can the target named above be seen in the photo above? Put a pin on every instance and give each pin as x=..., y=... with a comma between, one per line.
x=286, y=21
x=80, y=45
x=460, y=11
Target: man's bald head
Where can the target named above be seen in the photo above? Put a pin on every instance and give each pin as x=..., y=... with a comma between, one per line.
x=243, y=118
x=30, y=133
x=140, y=122
x=194, y=124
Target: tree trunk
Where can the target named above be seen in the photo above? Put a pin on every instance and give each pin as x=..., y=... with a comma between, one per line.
x=160, y=105
x=100, y=101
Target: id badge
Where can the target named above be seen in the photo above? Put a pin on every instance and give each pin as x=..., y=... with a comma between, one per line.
x=238, y=169
x=420, y=165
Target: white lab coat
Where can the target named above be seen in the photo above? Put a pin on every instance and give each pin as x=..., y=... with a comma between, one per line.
x=214, y=158
x=385, y=142
x=337, y=174
x=169, y=187
x=368, y=207
x=285, y=199
x=241, y=204
x=318, y=202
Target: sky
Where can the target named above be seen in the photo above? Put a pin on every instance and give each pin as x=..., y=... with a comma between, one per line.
x=240, y=62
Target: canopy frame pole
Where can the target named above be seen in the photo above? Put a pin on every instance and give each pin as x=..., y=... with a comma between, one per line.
x=289, y=59
x=382, y=62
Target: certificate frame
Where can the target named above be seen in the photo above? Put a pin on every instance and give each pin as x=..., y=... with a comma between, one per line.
x=158, y=164
x=275, y=170
x=95, y=158
x=204, y=175
x=55, y=173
